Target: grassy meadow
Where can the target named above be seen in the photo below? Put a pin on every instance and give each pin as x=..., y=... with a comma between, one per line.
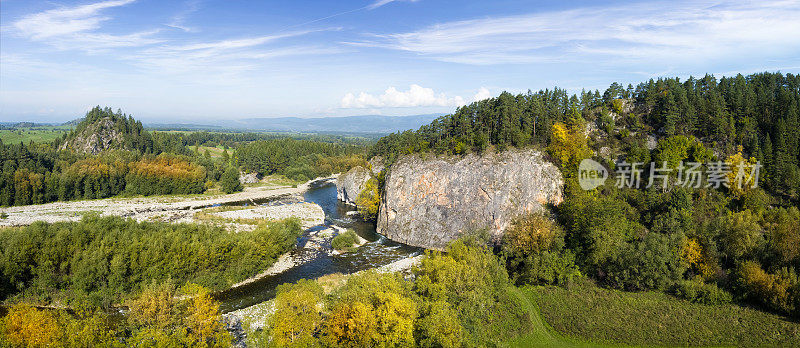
x=589, y=316
x=39, y=134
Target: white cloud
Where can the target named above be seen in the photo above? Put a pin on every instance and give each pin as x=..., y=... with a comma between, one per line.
x=179, y=21
x=226, y=57
x=64, y=21
x=416, y=95
x=379, y=3
x=657, y=32
x=75, y=28
x=482, y=94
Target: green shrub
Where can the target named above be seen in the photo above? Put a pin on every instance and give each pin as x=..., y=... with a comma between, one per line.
x=534, y=251
x=549, y=267
x=476, y=284
x=439, y=326
x=368, y=200
x=699, y=292
x=344, y=240
x=230, y=180
x=646, y=264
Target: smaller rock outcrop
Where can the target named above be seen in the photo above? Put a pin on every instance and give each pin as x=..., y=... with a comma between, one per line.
x=103, y=129
x=376, y=164
x=249, y=178
x=94, y=138
x=350, y=184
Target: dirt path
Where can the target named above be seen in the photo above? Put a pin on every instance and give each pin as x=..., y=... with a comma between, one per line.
x=162, y=208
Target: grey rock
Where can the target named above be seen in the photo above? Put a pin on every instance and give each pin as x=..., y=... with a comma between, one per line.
x=249, y=178
x=652, y=142
x=96, y=138
x=430, y=202
x=350, y=184
x=376, y=164
x=233, y=324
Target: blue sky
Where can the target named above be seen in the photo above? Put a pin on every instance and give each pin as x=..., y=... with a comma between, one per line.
x=199, y=60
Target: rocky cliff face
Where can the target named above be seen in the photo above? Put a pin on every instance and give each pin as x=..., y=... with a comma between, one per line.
x=95, y=138
x=429, y=202
x=350, y=184
x=376, y=163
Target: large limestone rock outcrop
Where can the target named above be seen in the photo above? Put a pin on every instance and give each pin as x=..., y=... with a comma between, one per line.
x=430, y=202
x=350, y=184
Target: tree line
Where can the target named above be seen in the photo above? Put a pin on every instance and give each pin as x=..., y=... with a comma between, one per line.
x=34, y=175
x=760, y=112
x=141, y=162
x=298, y=159
x=107, y=260
x=706, y=245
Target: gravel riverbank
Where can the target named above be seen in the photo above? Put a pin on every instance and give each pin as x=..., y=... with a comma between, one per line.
x=162, y=208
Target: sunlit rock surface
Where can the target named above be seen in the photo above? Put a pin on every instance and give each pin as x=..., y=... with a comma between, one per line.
x=429, y=202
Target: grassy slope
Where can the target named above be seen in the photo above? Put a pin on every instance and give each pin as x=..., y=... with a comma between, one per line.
x=543, y=335
x=587, y=313
x=37, y=135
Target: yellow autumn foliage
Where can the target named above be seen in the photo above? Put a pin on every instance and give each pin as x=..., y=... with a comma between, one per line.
x=694, y=257
x=741, y=175
x=26, y=326
x=568, y=146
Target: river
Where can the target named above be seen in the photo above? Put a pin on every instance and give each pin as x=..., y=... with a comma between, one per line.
x=377, y=252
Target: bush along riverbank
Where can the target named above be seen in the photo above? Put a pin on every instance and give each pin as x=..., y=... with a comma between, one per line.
x=105, y=259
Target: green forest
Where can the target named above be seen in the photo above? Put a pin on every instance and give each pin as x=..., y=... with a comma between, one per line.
x=706, y=245
x=105, y=259
x=760, y=112
x=715, y=266
x=147, y=163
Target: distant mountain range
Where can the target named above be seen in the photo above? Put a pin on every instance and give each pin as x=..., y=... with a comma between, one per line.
x=365, y=124
x=374, y=124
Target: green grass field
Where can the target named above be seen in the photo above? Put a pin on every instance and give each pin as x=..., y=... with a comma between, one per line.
x=215, y=152
x=543, y=335
x=37, y=134
x=588, y=316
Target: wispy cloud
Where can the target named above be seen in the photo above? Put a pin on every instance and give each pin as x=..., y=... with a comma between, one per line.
x=179, y=20
x=76, y=28
x=80, y=28
x=379, y=3
x=655, y=31
x=415, y=96
x=229, y=56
